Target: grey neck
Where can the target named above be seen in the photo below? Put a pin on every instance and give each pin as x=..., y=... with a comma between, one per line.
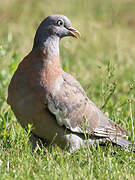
x=50, y=44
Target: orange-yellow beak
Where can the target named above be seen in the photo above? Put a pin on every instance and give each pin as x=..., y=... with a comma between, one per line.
x=73, y=32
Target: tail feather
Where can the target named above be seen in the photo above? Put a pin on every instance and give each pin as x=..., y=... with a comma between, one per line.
x=124, y=143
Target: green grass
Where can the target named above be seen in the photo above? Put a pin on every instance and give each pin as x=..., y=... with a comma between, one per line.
x=103, y=60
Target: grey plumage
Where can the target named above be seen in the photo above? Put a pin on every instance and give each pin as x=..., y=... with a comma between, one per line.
x=42, y=94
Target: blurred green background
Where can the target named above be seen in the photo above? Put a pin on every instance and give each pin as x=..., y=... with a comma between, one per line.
x=103, y=60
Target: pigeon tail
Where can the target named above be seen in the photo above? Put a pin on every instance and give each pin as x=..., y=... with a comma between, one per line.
x=124, y=143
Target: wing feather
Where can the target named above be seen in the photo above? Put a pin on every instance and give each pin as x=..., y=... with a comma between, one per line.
x=75, y=111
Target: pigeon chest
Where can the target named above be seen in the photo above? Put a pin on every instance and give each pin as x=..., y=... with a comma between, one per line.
x=51, y=73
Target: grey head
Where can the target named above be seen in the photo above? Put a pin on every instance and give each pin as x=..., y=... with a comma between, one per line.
x=53, y=28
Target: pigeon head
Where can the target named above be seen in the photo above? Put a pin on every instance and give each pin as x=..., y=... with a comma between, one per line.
x=55, y=26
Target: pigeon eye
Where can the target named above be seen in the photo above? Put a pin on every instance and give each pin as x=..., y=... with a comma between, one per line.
x=60, y=22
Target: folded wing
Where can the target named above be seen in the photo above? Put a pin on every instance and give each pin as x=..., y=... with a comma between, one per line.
x=76, y=112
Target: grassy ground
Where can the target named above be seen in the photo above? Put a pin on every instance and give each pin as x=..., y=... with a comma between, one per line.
x=102, y=60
